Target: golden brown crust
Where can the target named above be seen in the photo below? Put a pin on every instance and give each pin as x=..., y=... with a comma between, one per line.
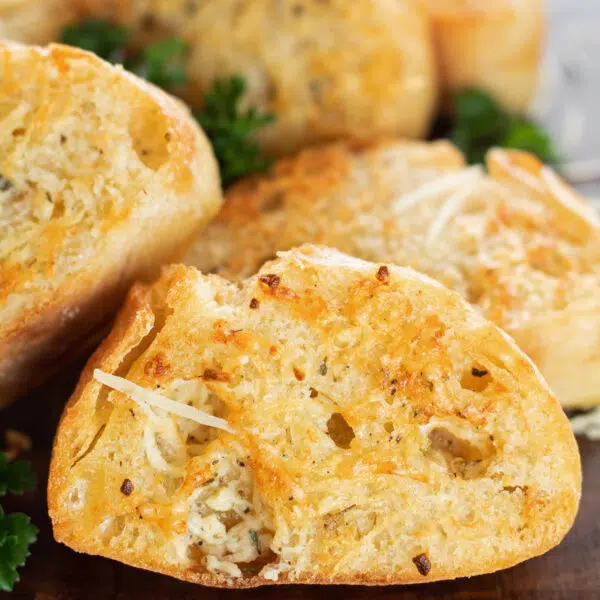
x=53, y=304
x=520, y=244
x=533, y=466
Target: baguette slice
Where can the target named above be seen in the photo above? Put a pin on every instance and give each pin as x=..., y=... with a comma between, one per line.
x=103, y=179
x=518, y=243
x=377, y=431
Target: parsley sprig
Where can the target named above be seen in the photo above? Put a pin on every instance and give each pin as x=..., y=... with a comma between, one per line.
x=106, y=40
x=481, y=123
x=161, y=63
x=17, y=532
x=231, y=130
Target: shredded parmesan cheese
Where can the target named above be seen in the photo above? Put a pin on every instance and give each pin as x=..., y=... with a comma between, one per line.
x=433, y=189
x=448, y=210
x=148, y=398
x=587, y=424
x=154, y=455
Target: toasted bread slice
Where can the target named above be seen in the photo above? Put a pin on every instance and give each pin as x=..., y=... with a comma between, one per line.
x=517, y=243
x=103, y=179
x=325, y=69
x=378, y=431
x=495, y=45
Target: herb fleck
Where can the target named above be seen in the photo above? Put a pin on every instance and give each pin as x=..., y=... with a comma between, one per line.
x=323, y=367
x=5, y=183
x=478, y=372
x=254, y=538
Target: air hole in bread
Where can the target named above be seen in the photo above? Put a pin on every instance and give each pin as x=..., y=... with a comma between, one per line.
x=111, y=527
x=339, y=431
x=250, y=569
x=464, y=458
x=476, y=378
x=150, y=138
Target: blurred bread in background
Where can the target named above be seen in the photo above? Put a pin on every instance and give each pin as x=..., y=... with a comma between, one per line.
x=103, y=178
x=495, y=45
x=369, y=411
x=35, y=21
x=518, y=243
x=326, y=69
x=331, y=69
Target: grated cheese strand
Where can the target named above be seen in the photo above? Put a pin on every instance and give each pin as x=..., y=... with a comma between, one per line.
x=448, y=210
x=144, y=397
x=432, y=189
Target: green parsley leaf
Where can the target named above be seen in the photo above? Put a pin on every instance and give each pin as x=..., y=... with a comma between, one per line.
x=105, y=39
x=481, y=123
x=17, y=533
x=15, y=477
x=163, y=63
x=232, y=131
x=525, y=135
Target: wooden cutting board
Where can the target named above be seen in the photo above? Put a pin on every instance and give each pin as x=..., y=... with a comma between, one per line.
x=569, y=572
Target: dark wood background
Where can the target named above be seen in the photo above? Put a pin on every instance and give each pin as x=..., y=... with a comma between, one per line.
x=569, y=572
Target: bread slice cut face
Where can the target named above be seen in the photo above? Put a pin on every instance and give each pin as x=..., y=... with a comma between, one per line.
x=517, y=242
x=103, y=178
x=328, y=420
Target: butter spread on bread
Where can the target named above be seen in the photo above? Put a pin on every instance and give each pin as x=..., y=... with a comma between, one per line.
x=380, y=431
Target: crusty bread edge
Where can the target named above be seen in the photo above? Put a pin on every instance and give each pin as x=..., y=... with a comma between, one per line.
x=68, y=320
x=133, y=325
x=541, y=336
